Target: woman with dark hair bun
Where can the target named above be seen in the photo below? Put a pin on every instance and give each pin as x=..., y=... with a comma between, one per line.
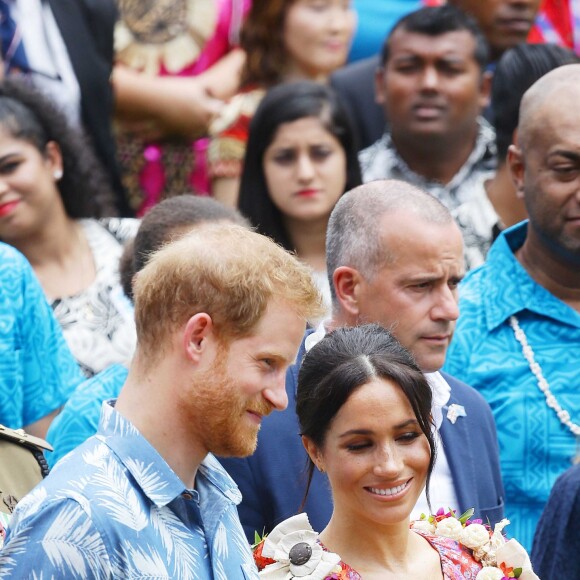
x=51, y=191
x=301, y=157
x=364, y=409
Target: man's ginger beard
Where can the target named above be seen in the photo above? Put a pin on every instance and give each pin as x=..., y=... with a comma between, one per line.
x=217, y=411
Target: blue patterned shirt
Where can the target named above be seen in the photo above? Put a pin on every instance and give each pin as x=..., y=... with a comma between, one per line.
x=79, y=418
x=534, y=446
x=114, y=509
x=37, y=370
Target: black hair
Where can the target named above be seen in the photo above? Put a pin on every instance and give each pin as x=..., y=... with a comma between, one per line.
x=162, y=223
x=28, y=114
x=438, y=20
x=284, y=104
x=517, y=70
x=342, y=362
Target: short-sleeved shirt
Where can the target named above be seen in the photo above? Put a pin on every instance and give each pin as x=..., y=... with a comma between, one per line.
x=113, y=508
x=535, y=447
x=37, y=370
x=382, y=161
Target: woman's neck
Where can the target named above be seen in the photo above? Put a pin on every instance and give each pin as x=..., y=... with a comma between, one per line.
x=309, y=241
x=61, y=257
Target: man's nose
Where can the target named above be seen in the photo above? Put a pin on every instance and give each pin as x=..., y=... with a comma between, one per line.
x=447, y=305
x=430, y=79
x=276, y=393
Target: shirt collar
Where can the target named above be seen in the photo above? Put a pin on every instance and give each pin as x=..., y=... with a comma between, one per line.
x=484, y=150
x=509, y=289
x=151, y=472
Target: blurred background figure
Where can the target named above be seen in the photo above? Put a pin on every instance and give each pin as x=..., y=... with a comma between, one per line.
x=284, y=40
x=166, y=222
x=556, y=551
x=505, y=23
x=433, y=86
x=558, y=22
x=355, y=82
x=175, y=63
x=301, y=157
x=51, y=191
x=37, y=371
x=495, y=204
x=65, y=48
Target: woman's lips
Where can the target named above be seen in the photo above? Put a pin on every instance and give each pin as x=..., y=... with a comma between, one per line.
x=307, y=192
x=7, y=208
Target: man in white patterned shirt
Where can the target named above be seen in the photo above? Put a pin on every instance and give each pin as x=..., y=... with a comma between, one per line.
x=145, y=497
x=433, y=86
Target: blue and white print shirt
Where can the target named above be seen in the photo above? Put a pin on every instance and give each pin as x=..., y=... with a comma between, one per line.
x=535, y=448
x=37, y=370
x=114, y=509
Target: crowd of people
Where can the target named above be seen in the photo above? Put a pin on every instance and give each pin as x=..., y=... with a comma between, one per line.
x=285, y=293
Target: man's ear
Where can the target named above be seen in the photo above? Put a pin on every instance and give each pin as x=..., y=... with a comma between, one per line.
x=195, y=335
x=485, y=90
x=347, y=282
x=380, y=85
x=313, y=452
x=517, y=167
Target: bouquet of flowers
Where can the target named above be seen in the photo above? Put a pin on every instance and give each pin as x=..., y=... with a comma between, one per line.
x=501, y=559
x=292, y=550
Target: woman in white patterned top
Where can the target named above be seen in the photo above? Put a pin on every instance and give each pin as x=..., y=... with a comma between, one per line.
x=51, y=191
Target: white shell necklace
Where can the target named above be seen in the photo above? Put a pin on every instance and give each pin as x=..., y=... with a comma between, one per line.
x=551, y=401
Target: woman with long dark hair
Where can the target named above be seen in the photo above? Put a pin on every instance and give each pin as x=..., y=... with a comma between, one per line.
x=51, y=192
x=301, y=157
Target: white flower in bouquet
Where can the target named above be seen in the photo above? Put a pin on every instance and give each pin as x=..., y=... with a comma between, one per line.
x=474, y=536
x=489, y=573
x=294, y=546
x=424, y=526
x=513, y=554
x=450, y=528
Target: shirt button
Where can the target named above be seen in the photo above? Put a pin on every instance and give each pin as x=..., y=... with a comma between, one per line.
x=186, y=495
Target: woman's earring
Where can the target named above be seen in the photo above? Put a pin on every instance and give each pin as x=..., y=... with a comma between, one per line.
x=57, y=174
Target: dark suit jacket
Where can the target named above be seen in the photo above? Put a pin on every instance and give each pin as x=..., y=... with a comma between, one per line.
x=272, y=481
x=87, y=28
x=355, y=85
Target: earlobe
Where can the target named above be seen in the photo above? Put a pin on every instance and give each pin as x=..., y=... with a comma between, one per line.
x=313, y=452
x=197, y=329
x=516, y=164
x=54, y=156
x=485, y=92
x=379, y=83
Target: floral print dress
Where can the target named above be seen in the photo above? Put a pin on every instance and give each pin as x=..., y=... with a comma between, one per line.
x=457, y=562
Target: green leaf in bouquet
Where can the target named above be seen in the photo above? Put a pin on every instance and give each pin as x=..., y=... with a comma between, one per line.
x=466, y=515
